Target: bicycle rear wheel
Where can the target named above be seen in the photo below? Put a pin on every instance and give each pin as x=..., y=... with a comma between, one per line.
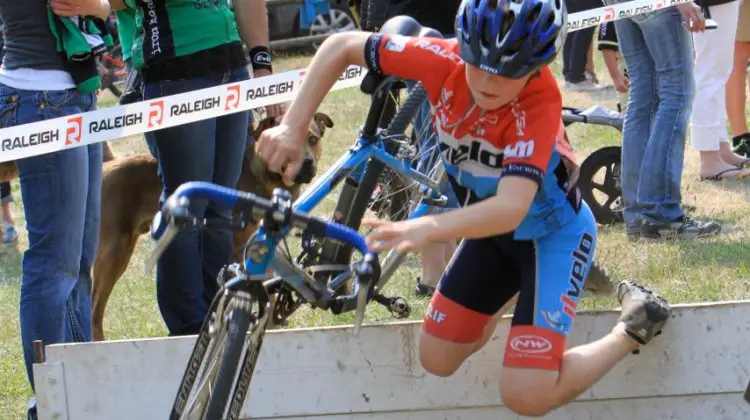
x=398, y=205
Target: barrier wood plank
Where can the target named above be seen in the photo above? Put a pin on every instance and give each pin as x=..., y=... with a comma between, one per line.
x=700, y=363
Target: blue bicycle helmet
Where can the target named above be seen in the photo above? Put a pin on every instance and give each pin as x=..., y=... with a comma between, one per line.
x=510, y=38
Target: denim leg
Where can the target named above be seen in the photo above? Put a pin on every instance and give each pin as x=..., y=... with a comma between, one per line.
x=56, y=188
x=641, y=107
x=671, y=47
x=190, y=152
x=577, y=45
x=231, y=140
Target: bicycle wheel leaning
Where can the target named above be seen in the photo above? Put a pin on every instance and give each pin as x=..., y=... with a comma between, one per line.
x=224, y=356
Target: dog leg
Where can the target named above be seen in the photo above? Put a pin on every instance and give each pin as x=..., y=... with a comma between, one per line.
x=111, y=261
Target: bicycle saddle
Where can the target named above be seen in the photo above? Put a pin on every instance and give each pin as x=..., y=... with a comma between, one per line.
x=397, y=25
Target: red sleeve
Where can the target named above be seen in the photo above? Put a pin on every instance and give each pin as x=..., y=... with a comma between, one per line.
x=537, y=130
x=428, y=60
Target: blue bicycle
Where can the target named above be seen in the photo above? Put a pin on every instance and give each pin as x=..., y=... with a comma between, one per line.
x=270, y=284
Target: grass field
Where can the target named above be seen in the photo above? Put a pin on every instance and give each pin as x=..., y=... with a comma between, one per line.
x=707, y=270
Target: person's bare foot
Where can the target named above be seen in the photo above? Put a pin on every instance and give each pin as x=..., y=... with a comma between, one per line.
x=720, y=165
x=734, y=159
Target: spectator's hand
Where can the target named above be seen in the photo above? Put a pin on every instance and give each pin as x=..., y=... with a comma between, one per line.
x=283, y=149
x=692, y=16
x=622, y=83
x=276, y=110
x=99, y=8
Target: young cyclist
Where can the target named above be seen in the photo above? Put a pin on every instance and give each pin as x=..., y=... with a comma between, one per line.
x=528, y=238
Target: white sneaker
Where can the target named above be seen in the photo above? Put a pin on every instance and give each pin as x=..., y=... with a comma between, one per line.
x=584, y=86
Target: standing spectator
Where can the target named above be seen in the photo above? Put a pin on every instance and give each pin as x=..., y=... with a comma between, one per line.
x=736, y=86
x=658, y=51
x=713, y=65
x=61, y=190
x=180, y=48
x=6, y=197
x=610, y=49
x=576, y=49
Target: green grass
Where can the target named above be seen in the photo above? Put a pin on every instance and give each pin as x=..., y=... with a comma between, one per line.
x=708, y=270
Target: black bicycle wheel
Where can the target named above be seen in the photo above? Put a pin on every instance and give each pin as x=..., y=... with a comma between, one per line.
x=603, y=197
x=239, y=322
x=361, y=199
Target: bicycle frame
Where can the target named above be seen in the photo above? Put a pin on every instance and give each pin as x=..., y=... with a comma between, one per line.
x=261, y=247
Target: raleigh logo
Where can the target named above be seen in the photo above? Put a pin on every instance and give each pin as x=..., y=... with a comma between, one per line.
x=233, y=97
x=155, y=113
x=530, y=344
x=73, y=132
x=609, y=14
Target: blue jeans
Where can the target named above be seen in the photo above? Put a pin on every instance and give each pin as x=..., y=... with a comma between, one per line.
x=658, y=51
x=210, y=150
x=61, y=193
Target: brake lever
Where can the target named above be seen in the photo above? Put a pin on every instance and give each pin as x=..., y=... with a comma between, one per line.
x=368, y=273
x=161, y=245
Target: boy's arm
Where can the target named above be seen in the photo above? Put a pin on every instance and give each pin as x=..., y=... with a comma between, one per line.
x=493, y=216
x=333, y=57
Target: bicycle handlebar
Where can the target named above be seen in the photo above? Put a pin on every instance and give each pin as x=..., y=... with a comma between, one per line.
x=175, y=215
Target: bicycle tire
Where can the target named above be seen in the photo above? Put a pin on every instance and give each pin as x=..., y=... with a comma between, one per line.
x=371, y=177
x=239, y=322
x=377, y=12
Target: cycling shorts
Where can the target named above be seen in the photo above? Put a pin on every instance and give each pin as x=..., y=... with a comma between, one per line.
x=548, y=273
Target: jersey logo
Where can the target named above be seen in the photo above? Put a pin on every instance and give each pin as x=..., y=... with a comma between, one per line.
x=472, y=152
x=439, y=51
x=396, y=43
x=523, y=149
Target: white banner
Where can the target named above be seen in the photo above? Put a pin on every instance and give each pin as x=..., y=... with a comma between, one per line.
x=121, y=121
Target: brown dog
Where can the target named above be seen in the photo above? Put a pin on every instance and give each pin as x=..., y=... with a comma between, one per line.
x=9, y=172
x=130, y=197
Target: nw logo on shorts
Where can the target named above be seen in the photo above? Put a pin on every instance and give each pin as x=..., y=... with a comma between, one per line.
x=530, y=344
x=73, y=132
x=155, y=113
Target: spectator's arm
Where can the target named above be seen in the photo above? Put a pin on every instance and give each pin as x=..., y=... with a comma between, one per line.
x=117, y=4
x=252, y=20
x=98, y=8
x=619, y=79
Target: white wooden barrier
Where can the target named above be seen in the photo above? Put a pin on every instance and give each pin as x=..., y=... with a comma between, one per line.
x=697, y=369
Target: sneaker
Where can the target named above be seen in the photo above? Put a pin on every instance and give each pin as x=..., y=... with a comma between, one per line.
x=682, y=228
x=31, y=410
x=644, y=312
x=584, y=86
x=11, y=234
x=591, y=76
x=634, y=232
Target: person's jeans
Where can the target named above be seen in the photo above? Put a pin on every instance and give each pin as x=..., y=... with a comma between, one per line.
x=658, y=51
x=577, y=43
x=210, y=150
x=61, y=193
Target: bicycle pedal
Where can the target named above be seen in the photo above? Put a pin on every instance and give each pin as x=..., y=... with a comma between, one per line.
x=398, y=307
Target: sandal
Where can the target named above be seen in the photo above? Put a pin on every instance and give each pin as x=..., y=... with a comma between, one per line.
x=720, y=176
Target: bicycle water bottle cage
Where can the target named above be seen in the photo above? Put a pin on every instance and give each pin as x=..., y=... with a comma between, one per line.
x=397, y=25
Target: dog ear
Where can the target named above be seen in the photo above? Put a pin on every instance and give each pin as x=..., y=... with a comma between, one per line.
x=323, y=118
x=263, y=125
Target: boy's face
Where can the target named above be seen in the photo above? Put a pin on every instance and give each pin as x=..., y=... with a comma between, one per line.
x=492, y=91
